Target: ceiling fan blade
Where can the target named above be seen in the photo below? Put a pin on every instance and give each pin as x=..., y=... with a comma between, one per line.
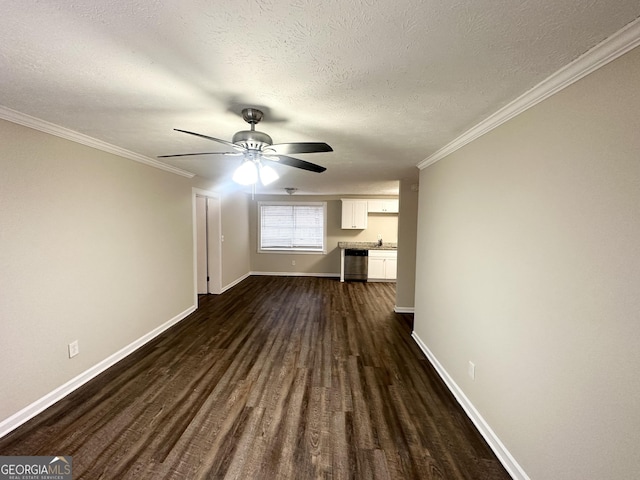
x=300, y=147
x=232, y=145
x=200, y=153
x=295, y=162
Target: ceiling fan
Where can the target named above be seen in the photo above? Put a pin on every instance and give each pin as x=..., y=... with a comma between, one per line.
x=257, y=147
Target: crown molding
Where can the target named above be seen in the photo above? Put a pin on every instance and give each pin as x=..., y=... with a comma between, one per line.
x=616, y=45
x=48, y=127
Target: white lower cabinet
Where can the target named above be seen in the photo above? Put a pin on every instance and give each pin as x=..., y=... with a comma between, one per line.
x=376, y=267
x=383, y=265
x=391, y=268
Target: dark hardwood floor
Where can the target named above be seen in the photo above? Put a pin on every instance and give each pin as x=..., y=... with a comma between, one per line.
x=280, y=377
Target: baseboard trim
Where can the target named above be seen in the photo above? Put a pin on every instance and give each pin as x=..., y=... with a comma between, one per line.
x=235, y=282
x=398, y=309
x=297, y=274
x=30, y=411
x=507, y=460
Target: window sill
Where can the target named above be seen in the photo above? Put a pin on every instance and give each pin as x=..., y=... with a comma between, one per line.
x=293, y=251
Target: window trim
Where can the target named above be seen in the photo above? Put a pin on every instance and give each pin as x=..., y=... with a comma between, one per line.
x=293, y=250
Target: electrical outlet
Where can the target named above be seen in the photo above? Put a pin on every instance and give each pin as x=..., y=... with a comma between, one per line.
x=293, y=262
x=74, y=349
x=472, y=370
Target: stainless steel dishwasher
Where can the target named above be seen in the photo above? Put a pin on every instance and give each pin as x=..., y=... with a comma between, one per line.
x=356, y=264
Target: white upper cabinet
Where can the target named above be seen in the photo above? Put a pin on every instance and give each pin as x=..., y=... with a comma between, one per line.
x=354, y=214
x=383, y=205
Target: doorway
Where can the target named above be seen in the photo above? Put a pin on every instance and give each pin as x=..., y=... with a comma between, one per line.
x=208, y=258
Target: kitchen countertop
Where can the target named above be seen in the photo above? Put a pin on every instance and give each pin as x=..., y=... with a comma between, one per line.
x=368, y=245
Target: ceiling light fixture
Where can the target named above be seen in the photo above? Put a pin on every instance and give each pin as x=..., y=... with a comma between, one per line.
x=267, y=174
x=251, y=169
x=246, y=173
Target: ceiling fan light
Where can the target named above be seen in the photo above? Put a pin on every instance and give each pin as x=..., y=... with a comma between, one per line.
x=268, y=175
x=246, y=173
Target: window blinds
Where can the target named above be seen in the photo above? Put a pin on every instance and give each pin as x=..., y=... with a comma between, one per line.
x=292, y=227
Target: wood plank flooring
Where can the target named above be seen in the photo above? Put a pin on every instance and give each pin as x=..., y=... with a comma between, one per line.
x=277, y=378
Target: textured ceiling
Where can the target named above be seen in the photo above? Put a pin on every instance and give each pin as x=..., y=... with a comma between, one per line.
x=385, y=83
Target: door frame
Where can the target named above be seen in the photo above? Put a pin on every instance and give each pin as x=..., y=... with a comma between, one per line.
x=214, y=243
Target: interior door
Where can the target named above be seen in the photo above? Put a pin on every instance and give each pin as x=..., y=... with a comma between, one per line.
x=214, y=245
x=208, y=244
x=201, y=245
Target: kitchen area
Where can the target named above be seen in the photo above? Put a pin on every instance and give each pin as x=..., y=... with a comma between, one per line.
x=372, y=260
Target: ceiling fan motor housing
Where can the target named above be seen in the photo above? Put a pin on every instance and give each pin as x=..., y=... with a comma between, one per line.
x=252, y=139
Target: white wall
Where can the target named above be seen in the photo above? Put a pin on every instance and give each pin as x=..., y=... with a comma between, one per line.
x=528, y=264
x=236, y=245
x=407, y=237
x=93, y=247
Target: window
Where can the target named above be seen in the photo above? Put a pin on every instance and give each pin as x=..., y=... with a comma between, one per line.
x=292, y=227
